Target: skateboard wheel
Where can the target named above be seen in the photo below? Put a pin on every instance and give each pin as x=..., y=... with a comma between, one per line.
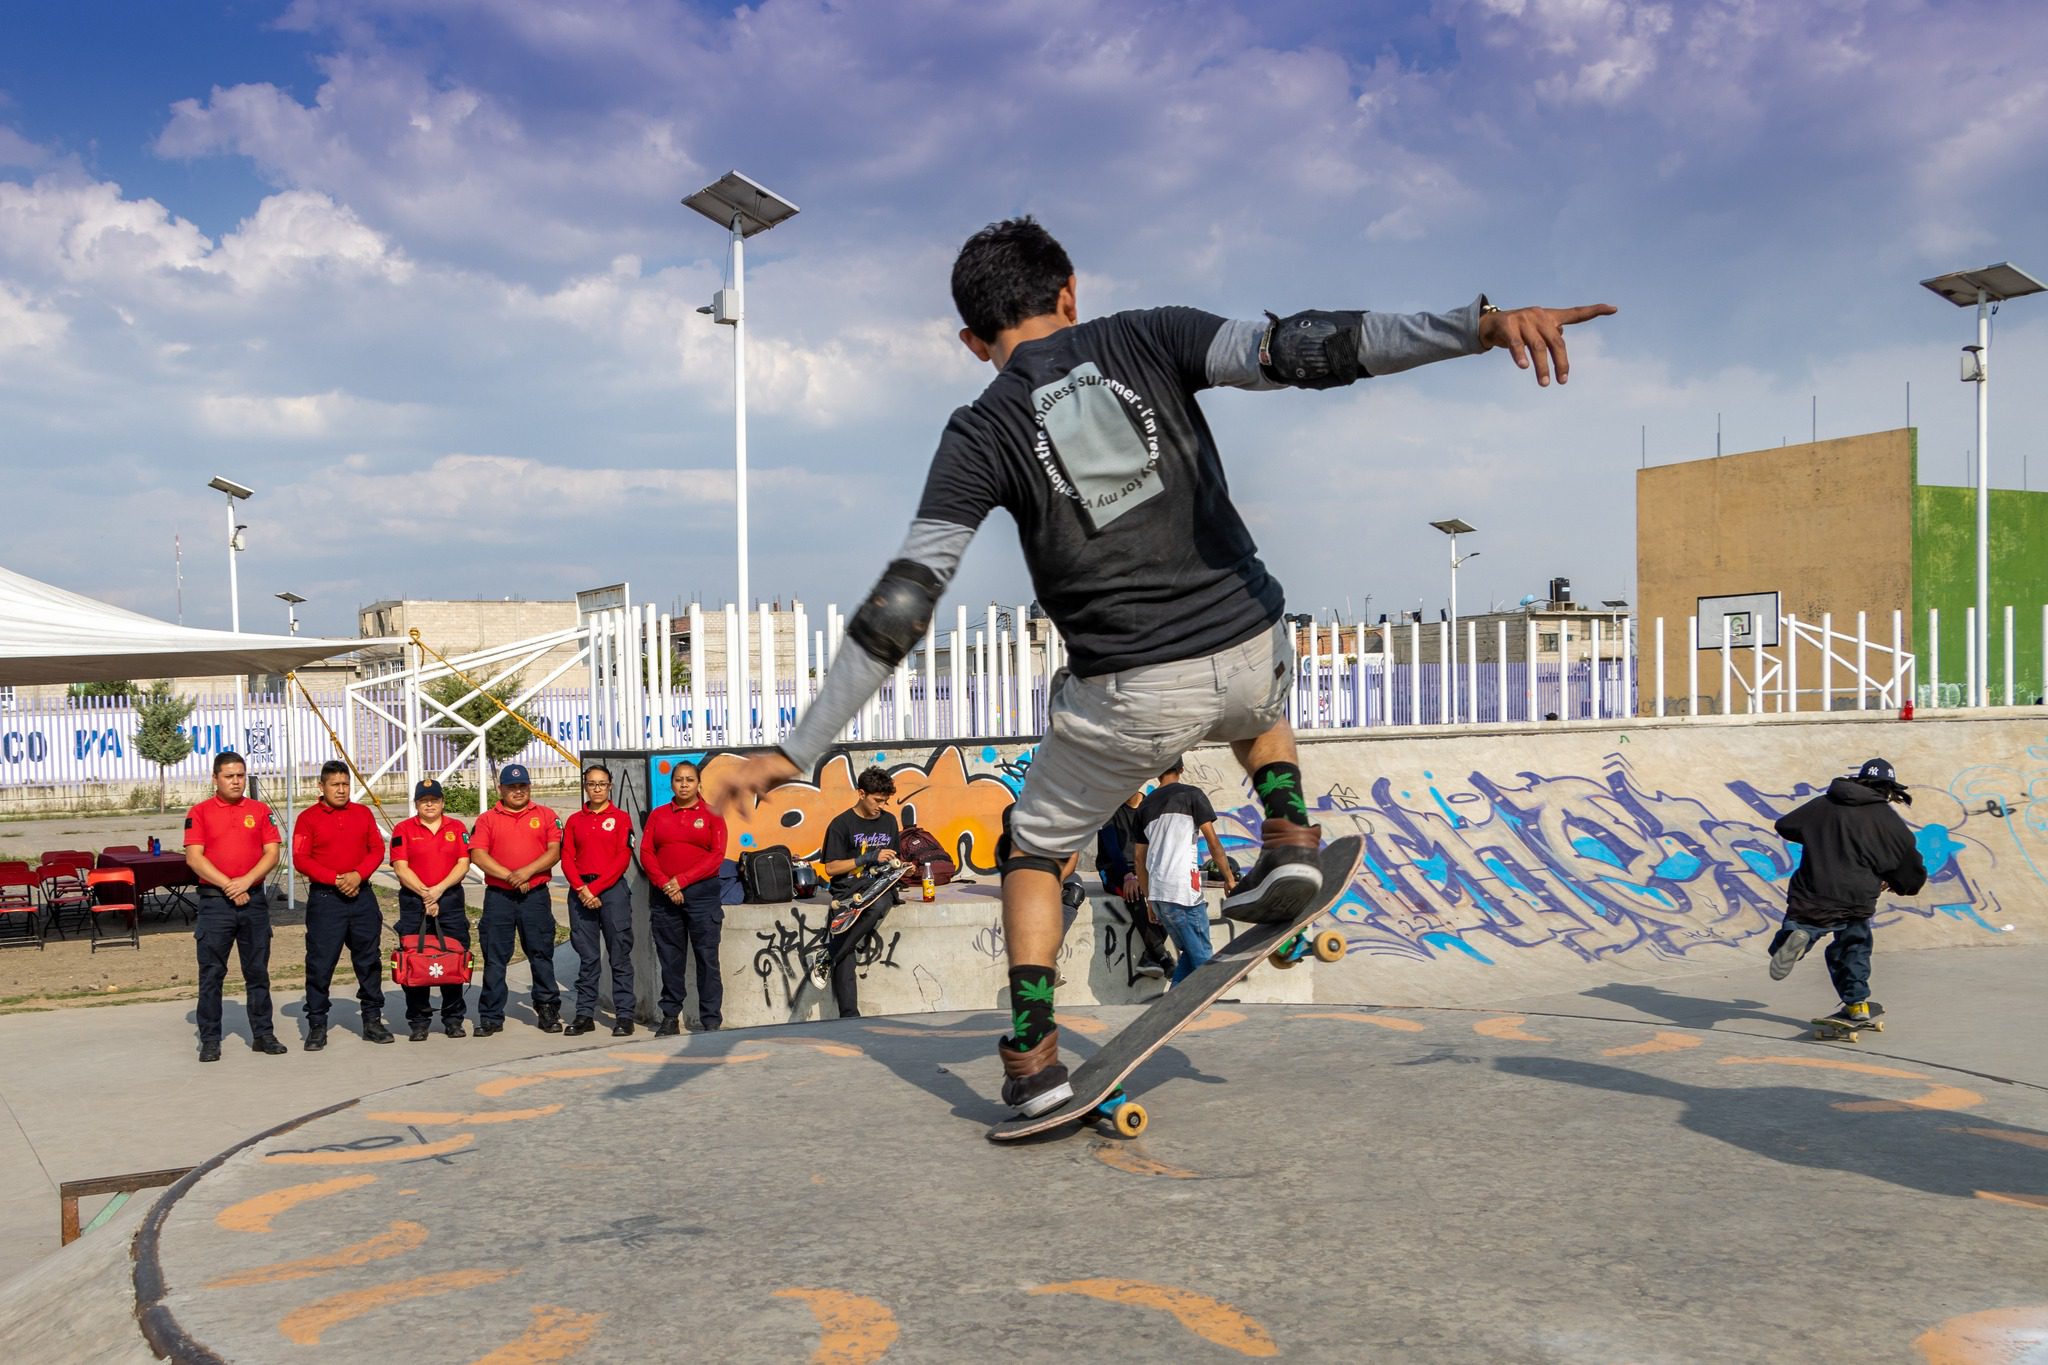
x=1329, y=946
x=1280, y=958
x=1130, y=1118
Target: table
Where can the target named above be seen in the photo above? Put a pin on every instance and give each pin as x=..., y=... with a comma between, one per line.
x=165, y=873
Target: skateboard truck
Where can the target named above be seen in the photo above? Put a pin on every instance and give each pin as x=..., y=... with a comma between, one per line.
x=1327, y=946
x=1123, y=1113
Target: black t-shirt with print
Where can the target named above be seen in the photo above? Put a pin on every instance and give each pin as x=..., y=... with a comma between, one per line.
x=848, y=836
x=1092, y=439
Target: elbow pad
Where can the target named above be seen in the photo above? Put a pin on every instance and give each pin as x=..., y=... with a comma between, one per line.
x=1312, y=350
x=897, y=612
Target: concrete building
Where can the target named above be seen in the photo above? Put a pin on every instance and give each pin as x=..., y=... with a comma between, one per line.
x=1564, y=631
x=1833, y=528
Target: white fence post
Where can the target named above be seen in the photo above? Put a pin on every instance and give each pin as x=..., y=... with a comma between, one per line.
x=1529, y=654
x=1628, y=698
x=1791, y=653
x=1970, y=661
x=1862, y=658
x=2008, y=655
x=1896, y=697
x=1500, y=672
x=1756, y=666
x=1827, y=661
x=1660, y=667
x=700, y=719
x=1597, y=699
x=1934, y=657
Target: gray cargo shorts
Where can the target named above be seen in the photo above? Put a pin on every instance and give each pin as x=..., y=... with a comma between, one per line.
x=1111, y=734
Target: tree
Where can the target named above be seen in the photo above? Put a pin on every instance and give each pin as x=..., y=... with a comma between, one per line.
x=503, y=739
x=100, y=689
x=161, y=737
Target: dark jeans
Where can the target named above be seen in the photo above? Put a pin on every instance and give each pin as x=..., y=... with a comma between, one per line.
x=452, y=920
x=1150, y=934
x=682, y=932
x=332, y=921
x=530, y=917
x=246, y=929
x=1848, y=955
x=610, y=925
x=845, y=976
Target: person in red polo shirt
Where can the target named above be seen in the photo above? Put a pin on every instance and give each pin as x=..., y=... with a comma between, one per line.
x=597, y=848
x=336, y=846
x=430, y=855
x=515, y=845
x=680, y=851
x=231, y=844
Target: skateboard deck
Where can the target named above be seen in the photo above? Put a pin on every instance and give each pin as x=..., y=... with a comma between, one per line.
x=1840, y=1030
x=1101, y=1077
x=871, y=902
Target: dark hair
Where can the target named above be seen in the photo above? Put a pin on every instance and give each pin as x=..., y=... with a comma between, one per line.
x=225, y=757
x=679, y=765
x=331, y=767
x=1178, y=765
x=875, y=782
x=597, y=768
x=1007, y=272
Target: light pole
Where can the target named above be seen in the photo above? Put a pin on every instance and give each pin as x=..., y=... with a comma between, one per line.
x=292, y=602
x=744, y=209
x=236, y=493
x=1986, y=288
x=1455, y=528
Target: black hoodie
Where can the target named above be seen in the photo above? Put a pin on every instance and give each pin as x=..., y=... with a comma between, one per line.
x=1855, y=842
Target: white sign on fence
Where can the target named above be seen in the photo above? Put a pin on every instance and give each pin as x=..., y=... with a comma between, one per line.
x=1736, y=620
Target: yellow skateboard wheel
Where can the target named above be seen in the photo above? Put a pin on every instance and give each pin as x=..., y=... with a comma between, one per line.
x=1130, y=1118
x=1330, y=946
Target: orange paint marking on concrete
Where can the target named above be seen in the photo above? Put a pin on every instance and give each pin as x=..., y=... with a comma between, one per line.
x=829, y=1049
x=1389, y=1021
x=505, y=1085
x=1087, y=1025
x=1213, y=1019
x=1119, y=1156
x=1663, y=1042
x=437, y=1119
x=1999, y=1336
x=1938, y=1097
x=398, y=1152
x=554, y=1335
x=1210, y=1319
x=1508, y=1028
x=2024, y=1201
x=305, y=1326
x=254, y=1215
x=396, y=1240
x=852, y=1330
x=684, y=1059
x=2024, y=1139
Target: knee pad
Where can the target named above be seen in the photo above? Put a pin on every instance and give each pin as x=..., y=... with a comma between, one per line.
x=1032, y=862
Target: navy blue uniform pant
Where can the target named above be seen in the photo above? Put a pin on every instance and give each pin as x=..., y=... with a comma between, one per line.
x=334, y=921
x=609, y=926
x=1848, y=955
x=529, y=917
x=245, y=929
x=452, y=922
x=682, y=932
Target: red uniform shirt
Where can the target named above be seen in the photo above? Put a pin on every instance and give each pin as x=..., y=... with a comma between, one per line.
x=687, y=843
x=516, y=838
x=327, y=842
x=597, y=849
x=430, y=853
x=233, y=837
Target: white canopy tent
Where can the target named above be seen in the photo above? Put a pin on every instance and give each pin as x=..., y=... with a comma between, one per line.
x=48, y=635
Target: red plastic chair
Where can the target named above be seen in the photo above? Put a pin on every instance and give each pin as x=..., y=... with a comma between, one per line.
x=21, y=919
x=64, y=896
x=120, y=848
x=113, y=893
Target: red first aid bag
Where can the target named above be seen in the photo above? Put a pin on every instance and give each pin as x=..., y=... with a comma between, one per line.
x=430, y=960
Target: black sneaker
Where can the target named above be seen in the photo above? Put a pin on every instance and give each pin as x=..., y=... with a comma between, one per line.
x=668, y=1028
x=1149, y=966
x=456, y=1030
x=316, y=1037
x=622, y=1028
x=269, y=1046
x=483, y=1030
x=1786, y=950
x=419, y=1028
x=209, y=1052
x=1284, y=879
x=374, y=1030
x=579, y=1026
x=1034, y=1081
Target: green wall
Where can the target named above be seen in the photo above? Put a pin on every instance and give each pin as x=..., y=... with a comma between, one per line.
x=1945, y=579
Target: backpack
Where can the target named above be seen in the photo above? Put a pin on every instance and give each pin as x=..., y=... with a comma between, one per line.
x=769, y=874
x=803, y=880
x=1212, y=877
x=731, y=890
x=917, y=845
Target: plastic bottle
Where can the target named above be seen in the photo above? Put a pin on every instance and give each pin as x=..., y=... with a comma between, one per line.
x=931, y=890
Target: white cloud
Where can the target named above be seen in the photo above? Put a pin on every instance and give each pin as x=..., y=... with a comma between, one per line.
x=26, y=325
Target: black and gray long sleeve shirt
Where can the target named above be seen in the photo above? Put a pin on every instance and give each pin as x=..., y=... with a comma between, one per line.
x=1092, y=440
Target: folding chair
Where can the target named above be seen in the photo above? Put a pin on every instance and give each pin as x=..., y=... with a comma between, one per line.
x=63, y=895
x=113, y=893
x=121, y=848
x=21, y=919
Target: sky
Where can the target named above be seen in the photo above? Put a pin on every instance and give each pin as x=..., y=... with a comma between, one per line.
x=416, y=271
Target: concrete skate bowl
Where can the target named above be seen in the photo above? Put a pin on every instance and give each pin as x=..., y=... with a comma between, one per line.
x=1317, y=1183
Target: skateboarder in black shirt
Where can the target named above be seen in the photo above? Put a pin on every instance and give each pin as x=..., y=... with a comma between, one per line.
x=1091, y=438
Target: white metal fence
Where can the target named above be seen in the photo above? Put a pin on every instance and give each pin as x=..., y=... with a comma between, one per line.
x=993, y=680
